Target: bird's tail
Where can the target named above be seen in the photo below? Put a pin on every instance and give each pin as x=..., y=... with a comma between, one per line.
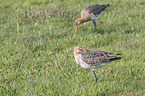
x=115, y=58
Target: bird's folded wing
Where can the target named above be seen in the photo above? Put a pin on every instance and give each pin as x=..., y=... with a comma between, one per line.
x=96, y=9
x=95, y=57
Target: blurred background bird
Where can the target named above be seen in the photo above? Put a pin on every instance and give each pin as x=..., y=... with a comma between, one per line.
x=90, y=13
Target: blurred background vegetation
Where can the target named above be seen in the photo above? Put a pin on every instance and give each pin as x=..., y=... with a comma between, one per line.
x=37, y=41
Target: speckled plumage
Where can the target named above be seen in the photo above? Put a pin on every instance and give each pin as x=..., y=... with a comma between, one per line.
x=92, y=59
x=96, y=57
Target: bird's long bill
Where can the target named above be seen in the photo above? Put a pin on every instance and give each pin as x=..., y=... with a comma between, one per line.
x=76, y=28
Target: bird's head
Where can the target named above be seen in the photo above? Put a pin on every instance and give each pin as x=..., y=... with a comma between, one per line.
x=79, y=21
x=78, y=50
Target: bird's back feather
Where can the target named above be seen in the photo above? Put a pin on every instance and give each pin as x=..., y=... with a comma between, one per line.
x=95, y=9
x=94, y=57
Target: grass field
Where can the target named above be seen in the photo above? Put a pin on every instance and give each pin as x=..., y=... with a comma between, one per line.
x=37, y=41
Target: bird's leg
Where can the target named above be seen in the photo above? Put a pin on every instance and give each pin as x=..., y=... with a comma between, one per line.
x=95, y=75
x=94, y=26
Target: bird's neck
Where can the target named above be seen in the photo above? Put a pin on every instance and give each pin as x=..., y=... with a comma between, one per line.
x=75, y=54
x=77, y=58
x=83, y=19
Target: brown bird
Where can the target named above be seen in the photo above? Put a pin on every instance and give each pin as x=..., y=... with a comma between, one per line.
x=90, y=13
x=92, y=59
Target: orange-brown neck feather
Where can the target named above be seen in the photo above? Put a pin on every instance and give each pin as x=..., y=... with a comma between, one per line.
x=83, y=19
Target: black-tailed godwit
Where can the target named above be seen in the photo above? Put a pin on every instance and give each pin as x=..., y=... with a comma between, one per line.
x=92, y=59
x=90, y=13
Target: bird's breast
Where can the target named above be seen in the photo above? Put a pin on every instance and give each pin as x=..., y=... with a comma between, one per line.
x=77, y=59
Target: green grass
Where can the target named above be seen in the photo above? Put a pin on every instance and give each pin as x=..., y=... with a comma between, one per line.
x=37, y=41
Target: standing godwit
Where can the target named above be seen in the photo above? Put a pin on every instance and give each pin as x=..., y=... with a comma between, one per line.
x=91, y=59
x=90, y=13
